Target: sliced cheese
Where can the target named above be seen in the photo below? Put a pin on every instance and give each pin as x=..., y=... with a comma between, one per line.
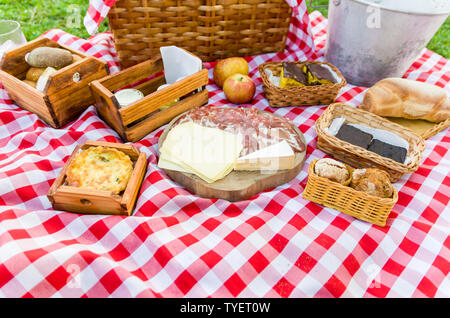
x=210, y=153
x=274, y=157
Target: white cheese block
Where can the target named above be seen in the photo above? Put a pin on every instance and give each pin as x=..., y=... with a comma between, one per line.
x=274, y=157
x=210, y=153
x=128, y=96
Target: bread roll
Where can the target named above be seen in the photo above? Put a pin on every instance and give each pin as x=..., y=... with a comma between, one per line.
x=49, y=57
x=34, y=73
x=399, y=97
x=372, y=181
x=332, y=169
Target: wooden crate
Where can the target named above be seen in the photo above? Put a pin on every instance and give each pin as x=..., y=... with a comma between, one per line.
x=136, y=120
x=67, y=93
x=74, y=199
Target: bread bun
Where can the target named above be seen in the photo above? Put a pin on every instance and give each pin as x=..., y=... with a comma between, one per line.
x=332, y=169
x=372, y=181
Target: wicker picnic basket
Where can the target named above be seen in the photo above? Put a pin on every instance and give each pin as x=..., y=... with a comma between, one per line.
x=359, y=157
x=345, y=199
x=299, y=95
x=211, y=29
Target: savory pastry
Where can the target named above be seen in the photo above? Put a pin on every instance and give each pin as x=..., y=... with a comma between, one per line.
x=372, y=181
x=332, y=169
x=399, y=97
x=100, y=168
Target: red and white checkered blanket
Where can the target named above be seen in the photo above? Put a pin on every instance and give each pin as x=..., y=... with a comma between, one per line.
x=175, y=244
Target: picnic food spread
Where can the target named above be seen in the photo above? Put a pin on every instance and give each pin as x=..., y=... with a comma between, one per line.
x=215, y=150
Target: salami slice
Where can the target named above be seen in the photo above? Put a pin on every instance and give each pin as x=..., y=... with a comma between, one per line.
x=258, y=129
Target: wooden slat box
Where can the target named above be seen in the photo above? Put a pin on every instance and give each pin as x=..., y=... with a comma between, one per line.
x=136, y=120
x=74, y=199
x=63, y=98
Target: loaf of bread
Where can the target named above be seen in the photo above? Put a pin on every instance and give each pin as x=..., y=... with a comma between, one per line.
x=399, y=97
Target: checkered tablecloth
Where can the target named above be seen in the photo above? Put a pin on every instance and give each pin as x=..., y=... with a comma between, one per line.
x=175, y=244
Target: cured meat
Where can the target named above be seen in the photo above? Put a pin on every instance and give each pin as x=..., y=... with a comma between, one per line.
x=258, y=129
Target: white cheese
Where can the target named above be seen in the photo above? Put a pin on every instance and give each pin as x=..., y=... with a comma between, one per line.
x=210, y=153
x=128, y=96
x=274, y=157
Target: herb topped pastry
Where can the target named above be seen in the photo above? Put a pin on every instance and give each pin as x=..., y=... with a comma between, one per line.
x=100, y=168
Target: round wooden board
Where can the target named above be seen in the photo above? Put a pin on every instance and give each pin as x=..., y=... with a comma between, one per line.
x=237, y=185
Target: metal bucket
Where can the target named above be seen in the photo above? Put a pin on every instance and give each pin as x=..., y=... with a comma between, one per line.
x=369, y=40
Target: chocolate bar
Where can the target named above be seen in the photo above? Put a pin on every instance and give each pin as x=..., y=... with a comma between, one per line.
x=292, y=71
x=387, y=150
x=320, y=74
x=354, y=136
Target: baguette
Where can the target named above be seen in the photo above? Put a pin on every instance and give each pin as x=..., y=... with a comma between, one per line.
x=399, y=97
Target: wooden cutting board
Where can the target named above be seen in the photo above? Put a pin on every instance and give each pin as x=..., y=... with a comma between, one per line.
x=237, y=185
x=421, y=127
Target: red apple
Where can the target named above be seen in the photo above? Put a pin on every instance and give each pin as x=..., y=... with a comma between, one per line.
x=227, y=67
x=239, y=88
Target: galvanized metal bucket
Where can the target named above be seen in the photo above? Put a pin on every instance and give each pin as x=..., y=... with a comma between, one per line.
x=369, y=40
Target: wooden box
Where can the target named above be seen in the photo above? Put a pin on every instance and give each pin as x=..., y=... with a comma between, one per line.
x=67, y=92
x=74, y=199
x=136, y=120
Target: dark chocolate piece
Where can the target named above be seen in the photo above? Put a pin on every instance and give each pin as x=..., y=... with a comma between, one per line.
x=321, y=72
x=292, y=71
x=354, y=136
x=387, y=150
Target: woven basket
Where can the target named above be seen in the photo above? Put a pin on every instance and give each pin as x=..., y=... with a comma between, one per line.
x=359, y=157
x=211, y=29
x=348, y=200
x=300, y=95
x=436, y=129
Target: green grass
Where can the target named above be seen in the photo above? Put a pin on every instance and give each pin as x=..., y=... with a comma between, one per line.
x=37, y=16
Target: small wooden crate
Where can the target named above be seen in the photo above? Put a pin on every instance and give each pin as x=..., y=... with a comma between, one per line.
x=362, y=158
x=300, y=95
x=67, y=93
x=136, y=120
x=347, y=200
x=74, y=199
